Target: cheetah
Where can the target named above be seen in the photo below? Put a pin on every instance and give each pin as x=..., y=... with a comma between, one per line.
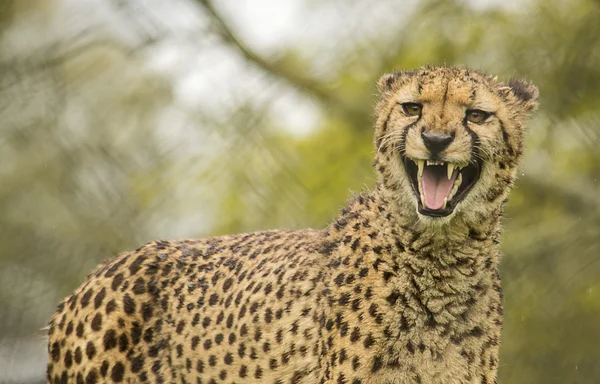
x=402, y=287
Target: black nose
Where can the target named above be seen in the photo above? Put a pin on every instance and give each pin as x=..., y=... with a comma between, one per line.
x=436, y=142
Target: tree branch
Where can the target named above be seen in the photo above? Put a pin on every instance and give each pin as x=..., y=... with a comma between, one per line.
x=300, y=82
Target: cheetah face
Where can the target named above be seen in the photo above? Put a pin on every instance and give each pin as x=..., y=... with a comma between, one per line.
x=449, y=139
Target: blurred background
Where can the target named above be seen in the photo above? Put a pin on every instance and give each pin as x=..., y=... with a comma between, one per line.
x=127, y=121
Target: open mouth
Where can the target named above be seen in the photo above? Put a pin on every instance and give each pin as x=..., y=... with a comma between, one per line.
x=440, y=186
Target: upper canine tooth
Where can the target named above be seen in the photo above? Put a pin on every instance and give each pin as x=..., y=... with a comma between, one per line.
x=450, y=170
x=420, y=164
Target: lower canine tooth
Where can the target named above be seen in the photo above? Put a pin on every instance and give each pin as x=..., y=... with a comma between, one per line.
x=445, y=202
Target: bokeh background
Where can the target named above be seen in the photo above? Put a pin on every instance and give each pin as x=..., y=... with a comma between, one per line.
x=123, y=121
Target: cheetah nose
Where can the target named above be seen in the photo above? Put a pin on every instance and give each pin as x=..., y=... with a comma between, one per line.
x=436, y=142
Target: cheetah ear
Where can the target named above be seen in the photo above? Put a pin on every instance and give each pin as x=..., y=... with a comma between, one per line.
x=526, y=92
x=386, y=82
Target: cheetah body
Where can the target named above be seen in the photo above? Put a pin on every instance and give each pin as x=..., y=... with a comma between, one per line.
x=385, y=294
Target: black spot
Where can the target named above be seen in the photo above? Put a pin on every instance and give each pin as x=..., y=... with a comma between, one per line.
x=55, y=351
x=123, y=342
x=128, y=305
x=117, y=372
x=180, y=327
x=111, y=306
x=68, y=359
x=356, y=304
x=273, y=364
x=227, y=284
x=135, y=266
x=117, y=281
x=376, y=264
x=110, y=339
x=139, y=287
x=258, y=373
x=369, y=341
x=85, y=299
x=328, y=247
x=147, y=311
x=344, y=299
x=78, y=355
x=377, y=364
x=344, y=329
x=69, y=329
x=90, y=350
x=99, y=298
x=355, y=244
x=92, y=377
x=136, y=332
x=393, y=297
x=137, y=363
x=96, y=324
x=104, y=368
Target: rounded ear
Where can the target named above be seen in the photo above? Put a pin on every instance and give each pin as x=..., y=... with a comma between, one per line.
x=526, y=92
x=386, y=82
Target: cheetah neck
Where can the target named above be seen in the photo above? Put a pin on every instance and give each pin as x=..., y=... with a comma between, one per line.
x=441, y=273
x=378, y=211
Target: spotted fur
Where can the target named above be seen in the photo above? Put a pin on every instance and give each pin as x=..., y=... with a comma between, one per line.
x=382, y=295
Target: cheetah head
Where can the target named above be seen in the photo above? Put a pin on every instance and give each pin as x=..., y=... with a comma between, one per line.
x=449, y=140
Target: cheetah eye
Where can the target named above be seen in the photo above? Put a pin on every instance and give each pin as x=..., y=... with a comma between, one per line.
x=412, y=109
x=477, y=116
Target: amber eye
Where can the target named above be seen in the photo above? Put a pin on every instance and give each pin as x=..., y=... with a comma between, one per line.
x=412, y=109
x=477, y=116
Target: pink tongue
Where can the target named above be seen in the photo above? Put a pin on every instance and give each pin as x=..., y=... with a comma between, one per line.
x=436, y=186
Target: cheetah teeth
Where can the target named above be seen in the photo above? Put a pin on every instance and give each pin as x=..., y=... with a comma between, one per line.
x=457, y=184
x=450, y=171
x=421, y=165
x=434, y=162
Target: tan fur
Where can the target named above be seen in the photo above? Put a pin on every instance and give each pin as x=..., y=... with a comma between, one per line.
x=382, y=295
